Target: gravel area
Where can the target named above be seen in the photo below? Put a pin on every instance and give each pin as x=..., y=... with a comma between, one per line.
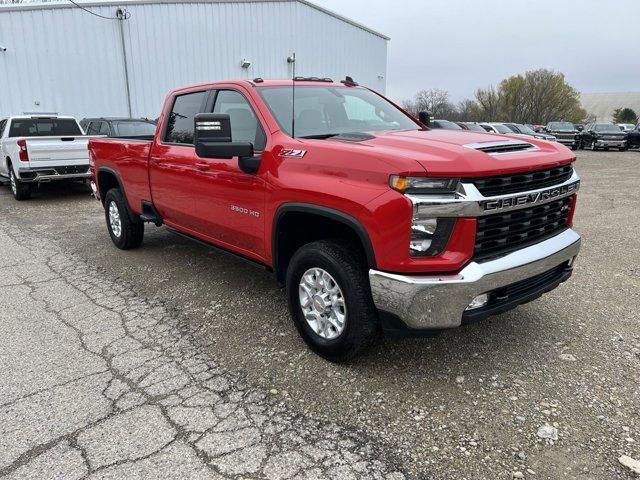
x=177, y=360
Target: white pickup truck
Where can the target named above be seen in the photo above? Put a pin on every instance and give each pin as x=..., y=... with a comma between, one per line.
x=37, y=149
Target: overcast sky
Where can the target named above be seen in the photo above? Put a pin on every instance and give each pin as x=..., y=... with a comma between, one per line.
x=460, y=45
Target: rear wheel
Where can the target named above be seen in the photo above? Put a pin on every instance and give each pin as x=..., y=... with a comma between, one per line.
x=125, y=231
x=622, y=149
x=20, y=190
x=330, y=300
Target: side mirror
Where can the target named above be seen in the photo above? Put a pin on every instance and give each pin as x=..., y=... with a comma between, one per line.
x=212, y=138
x=425, y=118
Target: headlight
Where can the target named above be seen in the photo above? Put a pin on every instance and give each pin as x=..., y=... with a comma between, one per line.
x=429, y=235
x=417, y=185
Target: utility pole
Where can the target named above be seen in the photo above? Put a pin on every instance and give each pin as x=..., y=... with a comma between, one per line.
x=122, y=15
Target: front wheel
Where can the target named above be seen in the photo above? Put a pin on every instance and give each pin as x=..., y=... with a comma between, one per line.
x=330, y=300
x=125, y=231
x=20, y=190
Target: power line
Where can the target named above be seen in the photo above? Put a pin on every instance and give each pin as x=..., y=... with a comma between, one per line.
x=125, y=14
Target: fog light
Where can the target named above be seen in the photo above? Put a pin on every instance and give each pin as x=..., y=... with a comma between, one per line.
x=479, y=301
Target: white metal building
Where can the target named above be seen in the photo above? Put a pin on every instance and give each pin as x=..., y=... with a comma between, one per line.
x=57, y=57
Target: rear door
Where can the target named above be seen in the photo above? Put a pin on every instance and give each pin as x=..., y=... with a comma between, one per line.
x=230, y=202
x=172, y=169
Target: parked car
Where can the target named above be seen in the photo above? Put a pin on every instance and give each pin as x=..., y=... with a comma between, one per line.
x=565, y=133
x=470, y=126
x=496, y=128
x=368, y=220
x=119, y=127
x=37, y=149
x=626, y=127
x=603, y=135
x=633, y=137
x=444, y=124
x=524, y=130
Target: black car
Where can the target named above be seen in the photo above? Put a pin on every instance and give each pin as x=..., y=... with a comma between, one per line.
x=470, y=126
x=633, y=137
x=444, y=124
x=565, y=132
x=119, y=127
x=603, y=135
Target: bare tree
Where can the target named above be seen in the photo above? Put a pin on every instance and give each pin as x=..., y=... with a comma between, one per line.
x=434, y=101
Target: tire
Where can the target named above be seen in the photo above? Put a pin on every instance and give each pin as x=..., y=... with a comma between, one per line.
x=347, y=270
x=20, y=190
x=622, y=149
x=125, y=230
x=574, y=147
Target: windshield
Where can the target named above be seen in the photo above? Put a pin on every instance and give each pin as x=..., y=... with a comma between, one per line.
x=134, y=129
x=445, y=124
x=607, y=127
x=326, y=111
x=501, y=128
x=526, y=130
x=561, y=126
x=475, y=127
x=43, y=127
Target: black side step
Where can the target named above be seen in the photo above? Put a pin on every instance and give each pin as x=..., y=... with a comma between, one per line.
x=150, y=214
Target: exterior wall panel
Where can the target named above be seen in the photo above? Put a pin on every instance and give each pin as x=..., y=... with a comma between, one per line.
x=71, y=62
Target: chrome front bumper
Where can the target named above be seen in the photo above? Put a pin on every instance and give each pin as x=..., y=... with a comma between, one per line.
x=440, y=301
x=611, y=143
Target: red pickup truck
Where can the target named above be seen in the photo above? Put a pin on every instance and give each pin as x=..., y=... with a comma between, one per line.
x=372, y=221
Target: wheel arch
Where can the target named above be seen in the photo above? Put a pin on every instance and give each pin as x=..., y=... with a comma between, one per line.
x=282, y=247
x=108, y=179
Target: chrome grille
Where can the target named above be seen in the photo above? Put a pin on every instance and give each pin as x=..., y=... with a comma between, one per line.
x=522, y=182
x=503, y=233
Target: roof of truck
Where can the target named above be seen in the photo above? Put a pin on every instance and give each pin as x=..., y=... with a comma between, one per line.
x=259, y=82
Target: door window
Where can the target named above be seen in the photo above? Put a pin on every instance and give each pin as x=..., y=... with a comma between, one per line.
x=245, y=126
x=180, y=121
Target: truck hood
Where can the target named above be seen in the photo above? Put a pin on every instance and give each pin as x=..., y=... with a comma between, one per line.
x=455, y=153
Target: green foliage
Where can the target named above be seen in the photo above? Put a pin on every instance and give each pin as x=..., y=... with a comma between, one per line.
x=625, y=115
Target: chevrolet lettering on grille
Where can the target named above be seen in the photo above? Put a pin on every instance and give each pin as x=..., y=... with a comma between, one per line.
x=529, y=198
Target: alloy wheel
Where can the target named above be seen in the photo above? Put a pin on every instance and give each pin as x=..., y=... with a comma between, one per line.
x=114, y=219
x=322, y=303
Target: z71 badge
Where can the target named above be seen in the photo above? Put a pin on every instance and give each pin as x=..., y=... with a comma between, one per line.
x=530, y=198
x=288, y=152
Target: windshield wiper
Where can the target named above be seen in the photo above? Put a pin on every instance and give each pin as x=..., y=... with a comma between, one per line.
x=321, y=136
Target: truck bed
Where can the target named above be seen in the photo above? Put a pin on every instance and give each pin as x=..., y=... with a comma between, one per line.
x=129, y=157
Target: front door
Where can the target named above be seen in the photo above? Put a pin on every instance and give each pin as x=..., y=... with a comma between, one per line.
x=172, y=163
x=230, y=202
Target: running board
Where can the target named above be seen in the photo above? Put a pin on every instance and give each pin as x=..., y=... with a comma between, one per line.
x=150, y=214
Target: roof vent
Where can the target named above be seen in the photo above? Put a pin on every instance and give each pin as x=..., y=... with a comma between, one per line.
x=506, y=146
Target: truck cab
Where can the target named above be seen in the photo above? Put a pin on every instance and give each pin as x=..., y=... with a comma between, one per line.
x=371, y=221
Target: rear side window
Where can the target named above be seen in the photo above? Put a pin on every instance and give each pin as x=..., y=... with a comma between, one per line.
x=3, y=123
x=42, y=127
x=180, y=121
x=98, y=128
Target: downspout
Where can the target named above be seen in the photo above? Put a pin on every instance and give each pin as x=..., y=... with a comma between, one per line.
x=123, y=15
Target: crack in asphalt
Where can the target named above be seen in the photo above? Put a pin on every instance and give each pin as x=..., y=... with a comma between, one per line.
x=153, y=400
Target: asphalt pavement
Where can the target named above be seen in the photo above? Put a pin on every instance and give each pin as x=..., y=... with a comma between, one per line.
x=176, y=361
